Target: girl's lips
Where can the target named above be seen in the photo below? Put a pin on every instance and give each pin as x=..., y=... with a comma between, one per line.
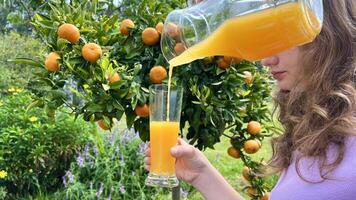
x=278, y=75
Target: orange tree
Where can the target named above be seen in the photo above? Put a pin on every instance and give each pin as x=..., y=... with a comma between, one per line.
x=113, y=58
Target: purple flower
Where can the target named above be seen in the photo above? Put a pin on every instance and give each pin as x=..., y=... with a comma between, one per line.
x=70, y=176
x=122, y=189
x=64, y=181
x=111, y=190
x=122, y=158
x=100, y=191
x=95, y=150
x=112, y=139
x=142, y=148
x=80, y=160
x=86, y=150
x=183, y=193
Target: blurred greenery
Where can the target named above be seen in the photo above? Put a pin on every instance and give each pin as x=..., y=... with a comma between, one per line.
x=13, y=45
x=35, y=149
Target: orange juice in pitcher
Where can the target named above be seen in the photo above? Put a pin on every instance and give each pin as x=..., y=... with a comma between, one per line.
x=249, y=30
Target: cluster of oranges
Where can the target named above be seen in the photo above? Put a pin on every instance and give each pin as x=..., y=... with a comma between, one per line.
x=250, y=146
x=91, y=52
x=150, y=36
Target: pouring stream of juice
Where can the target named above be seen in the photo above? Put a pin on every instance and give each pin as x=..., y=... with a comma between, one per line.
x=254, y=36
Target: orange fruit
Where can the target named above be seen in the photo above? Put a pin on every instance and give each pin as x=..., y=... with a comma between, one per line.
x=251, y=192
x=246, y=173
x=114, y=78
x=179, y=48
x=102, y=125
x=254, y=127
x=228, y=59
x=251, y=146
x=233, y=152
x=159, y=27
x=91, y=52
x=158, y=74
x=142, y=111
x=236, y=60
x=69, y=32
x=248, y=77
x=51, y=62
x=172, y=30
x=125, y=25
x=265, y=196
x=223, y=64
x=150, y=36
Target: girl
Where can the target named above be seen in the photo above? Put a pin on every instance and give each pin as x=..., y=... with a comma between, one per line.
x=316, y=100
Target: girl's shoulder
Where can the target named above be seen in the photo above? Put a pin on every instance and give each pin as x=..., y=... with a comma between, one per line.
x=340, y=185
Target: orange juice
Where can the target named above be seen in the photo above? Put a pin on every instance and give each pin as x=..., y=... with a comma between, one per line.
x=163, y=136
x=257, y=35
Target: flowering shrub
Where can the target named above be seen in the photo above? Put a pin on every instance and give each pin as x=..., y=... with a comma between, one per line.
x=113, y=171
x=35, y=150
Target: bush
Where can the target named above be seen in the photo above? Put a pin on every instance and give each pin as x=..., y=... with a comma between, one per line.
x=110, y=169
x=16, y=46
x=35, y=150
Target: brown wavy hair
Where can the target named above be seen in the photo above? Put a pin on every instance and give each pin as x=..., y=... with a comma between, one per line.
x=323, y=111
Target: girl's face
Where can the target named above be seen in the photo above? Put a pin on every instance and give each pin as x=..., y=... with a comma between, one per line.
x=286, y=68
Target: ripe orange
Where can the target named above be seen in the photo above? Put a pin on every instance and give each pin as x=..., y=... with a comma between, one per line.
x=150, y=36
x=158, y=74
x=114, y=78
x=251, y=146
x=69, y=32
x=236, y=60
x=223, y=64
x=265, y=196
x=142, y=111
x=246, y=173
x=91, y=52
x=102, y=125
x=172, y=30
x=159, y=27
x=233, y=152
x=51, y=62
x=125, y=25
x=254, y=127
x=179, y=48
x=251, y=192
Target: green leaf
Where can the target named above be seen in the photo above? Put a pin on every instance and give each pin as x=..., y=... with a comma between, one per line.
x=26, y=61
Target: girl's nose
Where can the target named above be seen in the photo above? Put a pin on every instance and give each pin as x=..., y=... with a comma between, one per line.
x=270, y=61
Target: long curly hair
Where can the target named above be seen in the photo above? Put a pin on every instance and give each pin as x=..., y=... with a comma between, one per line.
x=323, y=112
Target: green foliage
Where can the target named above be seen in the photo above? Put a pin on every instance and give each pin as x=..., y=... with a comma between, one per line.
x=14, y=46
x=35, y=150
x=116, y=172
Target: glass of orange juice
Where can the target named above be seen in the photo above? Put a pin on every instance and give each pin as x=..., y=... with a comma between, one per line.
x=165, y=111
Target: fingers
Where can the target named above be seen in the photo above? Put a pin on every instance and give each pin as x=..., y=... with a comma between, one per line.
x=147, y=159
x=183, y=149
x=148, y=152
x=147, y=162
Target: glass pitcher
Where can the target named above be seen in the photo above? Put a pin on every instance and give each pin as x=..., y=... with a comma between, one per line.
x=246, y=29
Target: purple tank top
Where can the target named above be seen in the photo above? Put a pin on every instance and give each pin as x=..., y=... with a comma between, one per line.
x=342, y=185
